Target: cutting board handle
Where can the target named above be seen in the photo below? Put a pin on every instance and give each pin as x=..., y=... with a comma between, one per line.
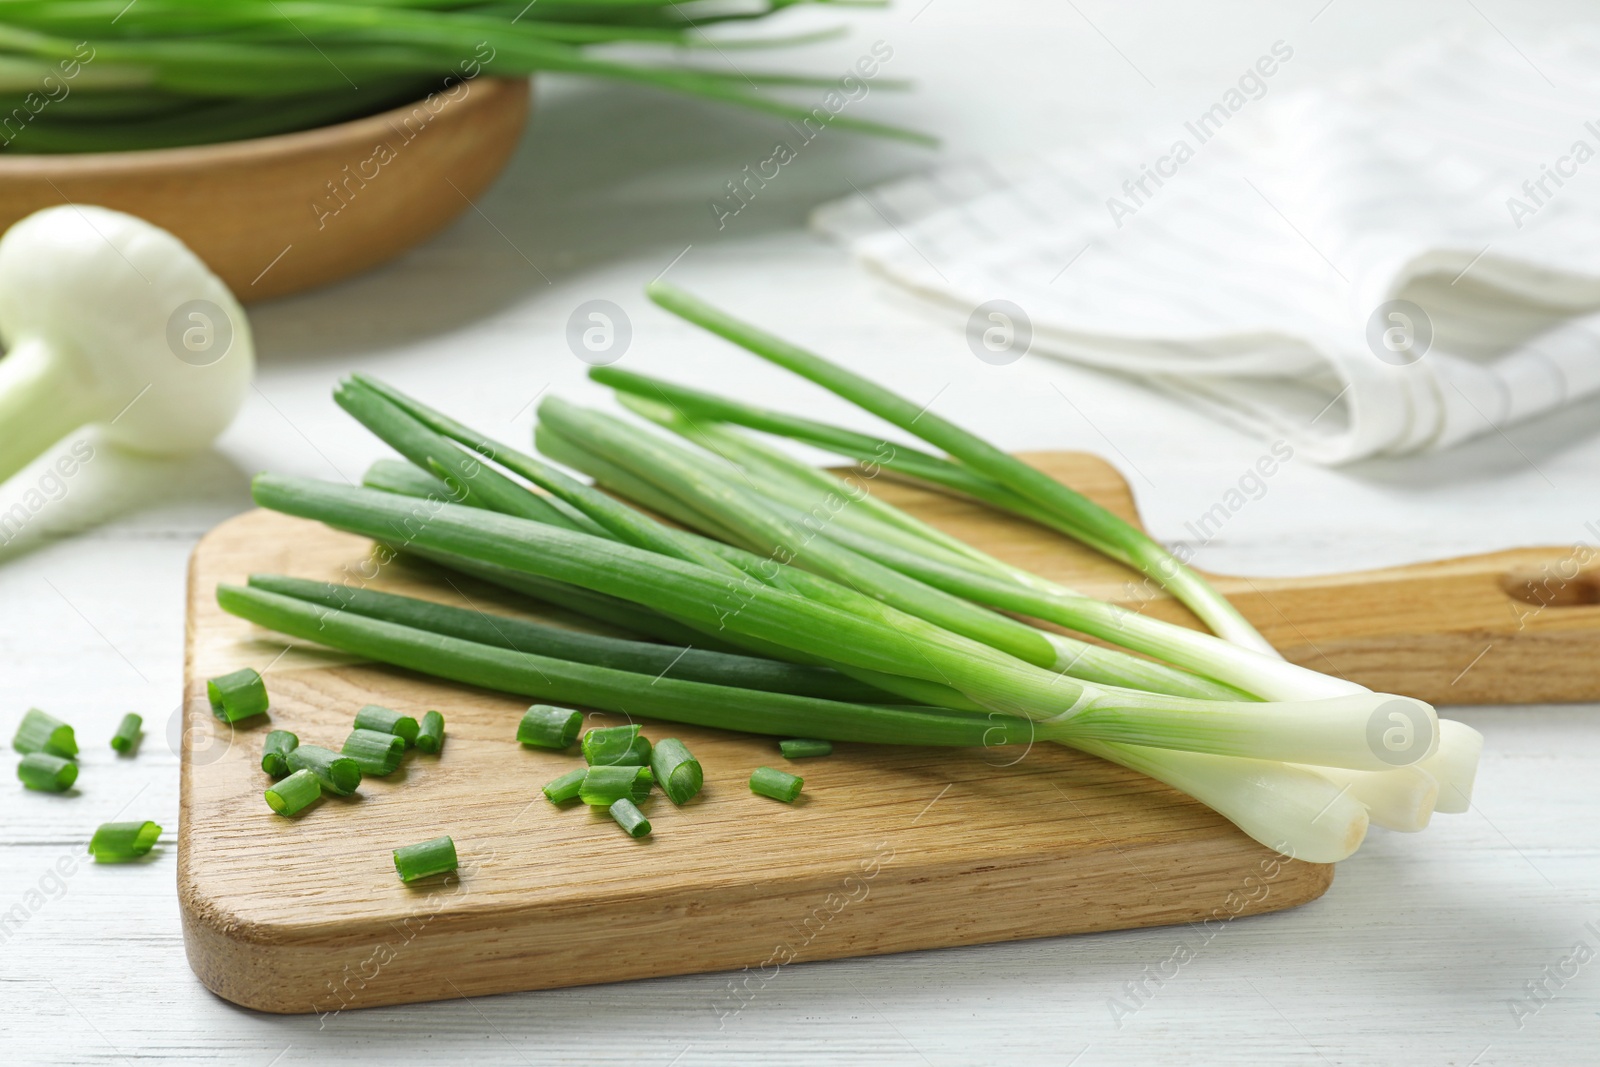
x=1515, y=627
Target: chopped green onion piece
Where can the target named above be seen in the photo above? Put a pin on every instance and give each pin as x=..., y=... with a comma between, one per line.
x=39, y=732
x=676, y=770
x=425, y=859
x=430, y=735
x=549, y=727
x=604, y=786
x=275, y=751
x=802, y=747
x=776, y=784
x=387, y=721
x=292, y=795
x=238, y=695
x=630, y=818
x=339, y=775
x=47, y=773
x=567, y=787
x=118, y=842
x=375, y=752
x=127, y=735
x=616, y=746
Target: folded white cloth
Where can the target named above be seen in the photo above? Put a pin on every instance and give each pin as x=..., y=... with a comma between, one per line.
x=1247, y=259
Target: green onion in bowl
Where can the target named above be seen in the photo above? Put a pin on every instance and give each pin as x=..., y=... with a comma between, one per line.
x=164, y=73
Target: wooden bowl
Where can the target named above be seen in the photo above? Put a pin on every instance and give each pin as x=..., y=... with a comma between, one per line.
x=275, y=215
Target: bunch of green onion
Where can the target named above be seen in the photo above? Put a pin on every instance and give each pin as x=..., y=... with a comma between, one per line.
x=789, y=601
x=108, y=75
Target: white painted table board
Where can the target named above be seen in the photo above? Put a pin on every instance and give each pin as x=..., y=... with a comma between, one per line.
x=1414, y=955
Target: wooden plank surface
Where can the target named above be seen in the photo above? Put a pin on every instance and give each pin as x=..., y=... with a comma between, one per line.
x=891, y=849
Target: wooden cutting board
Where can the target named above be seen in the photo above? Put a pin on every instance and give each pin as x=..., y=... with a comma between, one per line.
x=891, y=848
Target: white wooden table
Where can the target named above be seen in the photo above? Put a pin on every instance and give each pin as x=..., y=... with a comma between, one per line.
x=1420, y=952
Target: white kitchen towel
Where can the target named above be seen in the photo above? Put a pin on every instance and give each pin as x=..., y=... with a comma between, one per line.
x=1400, y=261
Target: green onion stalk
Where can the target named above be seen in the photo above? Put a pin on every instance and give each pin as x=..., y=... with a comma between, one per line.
x=97, y=75
x=1328, y=732
x=1412, y=787
x=853, y=600
x=464, y=478
x=1074, y=513
x=837, y=617
x=1276, y=804
x=600, y=444
x=644, y=657
x=1400, y=799
x=1295, y=684
x=976, y=469
x=630, y=526
x=901, y=541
